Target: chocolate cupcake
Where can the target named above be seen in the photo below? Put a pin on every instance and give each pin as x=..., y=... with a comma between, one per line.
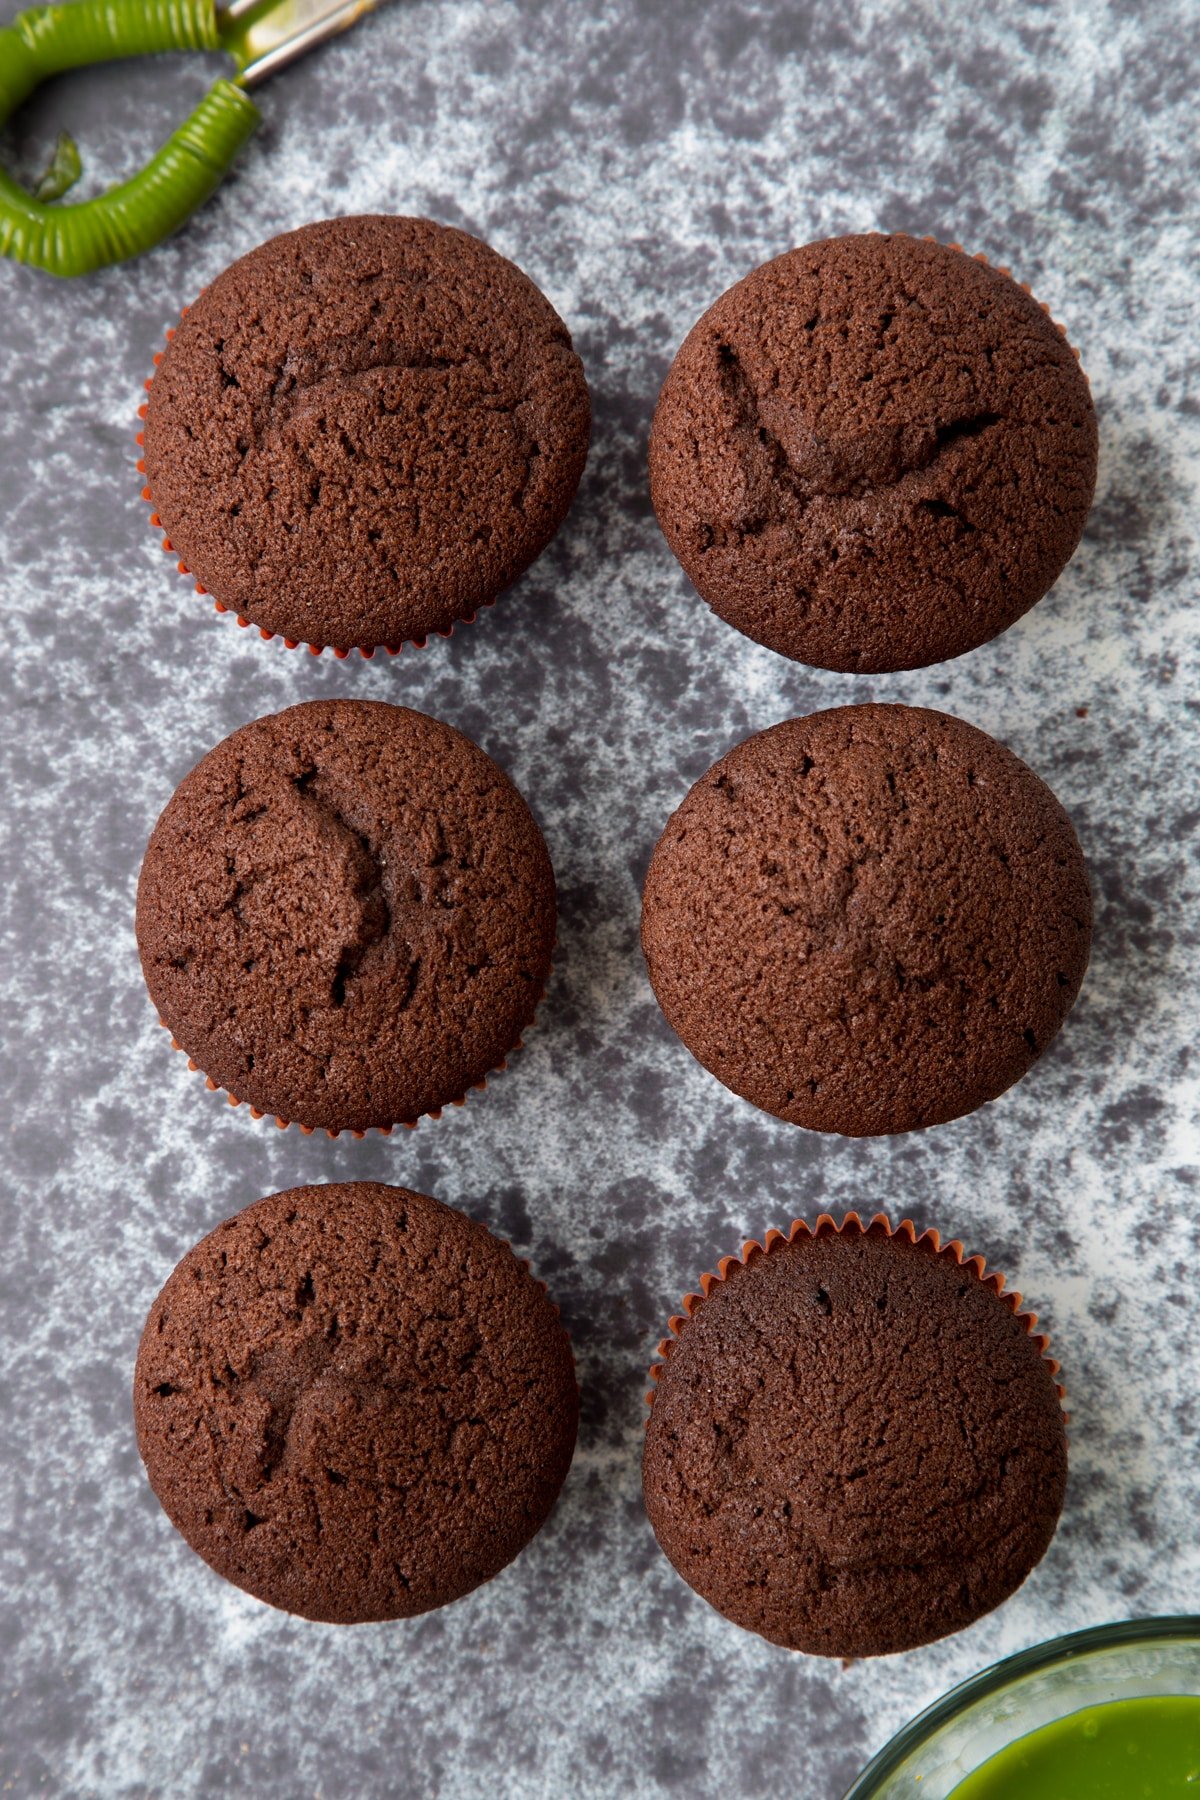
x=364, y=430
x=873, y=453
x=856, y=1443
x=345, y=915
x=355, y=1402
x=867, y=920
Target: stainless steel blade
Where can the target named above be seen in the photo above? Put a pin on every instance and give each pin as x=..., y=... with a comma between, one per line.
x=265, y=39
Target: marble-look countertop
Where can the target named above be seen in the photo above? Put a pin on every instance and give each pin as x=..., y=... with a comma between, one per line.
x=635, y=159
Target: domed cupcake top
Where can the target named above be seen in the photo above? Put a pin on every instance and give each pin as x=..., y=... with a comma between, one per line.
x=873, y=453
x=856, y=1443
x=867, y=920
x=345, y=914
x=355, y=1402
x=364, y=430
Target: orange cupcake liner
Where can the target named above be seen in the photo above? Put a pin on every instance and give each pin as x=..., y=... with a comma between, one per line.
x=366, y=651
x=476, y=1087
x=826, y=1225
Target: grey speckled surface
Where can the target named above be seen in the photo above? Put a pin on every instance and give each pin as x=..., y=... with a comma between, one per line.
x=635, y=160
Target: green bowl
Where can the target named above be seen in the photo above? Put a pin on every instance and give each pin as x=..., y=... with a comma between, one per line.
x=1131, y=1660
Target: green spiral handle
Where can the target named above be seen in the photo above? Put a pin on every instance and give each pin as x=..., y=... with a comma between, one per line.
x=124, y=221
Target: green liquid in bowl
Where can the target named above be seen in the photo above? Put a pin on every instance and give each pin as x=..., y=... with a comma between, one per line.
x=1124, y=1750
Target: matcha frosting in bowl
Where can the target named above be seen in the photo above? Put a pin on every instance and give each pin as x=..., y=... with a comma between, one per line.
x=1001, y=1731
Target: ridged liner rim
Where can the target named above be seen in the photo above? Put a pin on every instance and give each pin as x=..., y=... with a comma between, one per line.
x=826, y=1225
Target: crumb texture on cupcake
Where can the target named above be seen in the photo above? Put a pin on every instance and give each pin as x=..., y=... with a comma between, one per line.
x=868, y=920
x=873, y=453
x=345, y=914
x=355, y=1402
x=364, y=430
x=855, y=1445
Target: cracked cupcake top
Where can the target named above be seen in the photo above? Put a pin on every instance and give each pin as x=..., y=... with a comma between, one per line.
x=873, y=453
x=355, y=1402
x=364, y=430
x=345, y=914
x=868, y=920
x=855, y=1446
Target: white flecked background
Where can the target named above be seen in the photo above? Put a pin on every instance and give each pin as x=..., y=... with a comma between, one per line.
x=635, y=160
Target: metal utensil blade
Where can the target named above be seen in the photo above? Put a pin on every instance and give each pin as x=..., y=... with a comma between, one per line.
x=265, y=39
